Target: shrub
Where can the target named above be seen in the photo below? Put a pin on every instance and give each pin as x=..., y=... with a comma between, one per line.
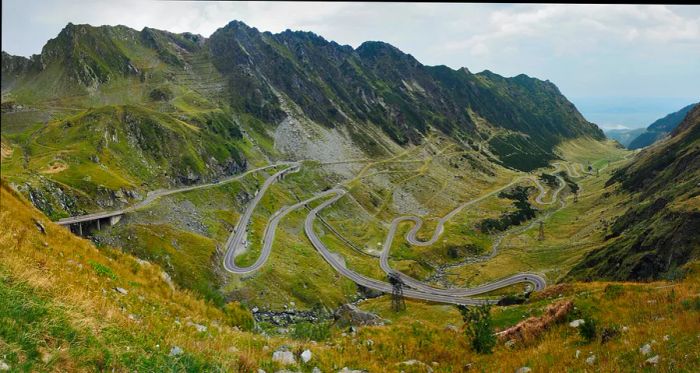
x=691, y=304
x=609, y=333
x=588, y=329
x=511, y=299
x=238, y=316
x=102, y=270
x=477, y=324
x=311, y=331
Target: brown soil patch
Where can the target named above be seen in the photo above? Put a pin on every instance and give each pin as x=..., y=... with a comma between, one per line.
x=6, y=151
x=553, y=291
x=532, y=327
x=55, y=168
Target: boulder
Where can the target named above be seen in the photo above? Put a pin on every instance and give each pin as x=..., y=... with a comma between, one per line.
x=351, y=315
x=577, y=323
x=306, y=356
x=652, y=360
x=347, y=370
x=200, y=328
x=175, y=351
x=283, y=357
x=645, y=350
x=414, y=362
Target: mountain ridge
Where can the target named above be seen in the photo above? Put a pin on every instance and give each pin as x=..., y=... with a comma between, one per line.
x=332, y=84
x=660, y=128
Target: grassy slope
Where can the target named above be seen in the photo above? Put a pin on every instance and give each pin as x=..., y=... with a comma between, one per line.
x=657, y=233
x=362, y=218
x=570, y=232
x=60, y=312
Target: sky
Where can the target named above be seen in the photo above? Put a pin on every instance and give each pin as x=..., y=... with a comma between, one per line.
x=623, y=66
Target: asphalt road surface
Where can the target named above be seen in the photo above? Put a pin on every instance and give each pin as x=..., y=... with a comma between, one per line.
x=415, y=289
x=153, y=195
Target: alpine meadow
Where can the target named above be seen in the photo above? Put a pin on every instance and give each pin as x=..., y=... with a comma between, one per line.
x=255, y=201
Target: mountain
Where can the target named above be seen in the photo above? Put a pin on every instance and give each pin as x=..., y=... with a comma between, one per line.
x=375, y=84
x=658, y=232
x=202, y=92
x=624, y=136
x=660, y=128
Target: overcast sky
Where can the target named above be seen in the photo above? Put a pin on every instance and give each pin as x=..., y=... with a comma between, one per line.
x=621, y=65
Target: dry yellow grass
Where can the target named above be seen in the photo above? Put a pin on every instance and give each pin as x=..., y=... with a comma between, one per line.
x=5, y=150
x=63, y=269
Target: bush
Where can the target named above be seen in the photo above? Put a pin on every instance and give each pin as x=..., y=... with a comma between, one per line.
x=588, y=329
x=609, y=333
x=311, y=331
x=477, y=323
x=512, y=299
x=102, y=270
x=237, y=315
x=691, y=304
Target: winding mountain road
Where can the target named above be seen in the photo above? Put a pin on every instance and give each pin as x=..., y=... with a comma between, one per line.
x=153, y=195
x=415, y=288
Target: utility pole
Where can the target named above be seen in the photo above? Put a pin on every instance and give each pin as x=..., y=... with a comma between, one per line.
x=541, y=237
x=397, y=301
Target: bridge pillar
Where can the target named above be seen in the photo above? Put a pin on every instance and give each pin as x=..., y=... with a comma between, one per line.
x=80, y=229
x=114, y=219
x=98, y=224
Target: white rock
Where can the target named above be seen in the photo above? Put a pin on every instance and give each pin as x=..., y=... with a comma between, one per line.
x=283, y=357
x=4, y=366
x=261, y=371
x=306, y=356
x=168, y=280
x=200, y=328
x=346, y=370
x=590, y=360
x=418, y=363
x=316, y=370
x=577, y=323
x=578, y=353
x=175, y=351
x=645, y=350
x=653, y=360
x=625, y=329
x=121, y=291
x=523, y=370
x=666, y=338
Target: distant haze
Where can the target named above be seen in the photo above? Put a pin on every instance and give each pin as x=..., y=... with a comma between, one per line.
x=628, y=112
x=622, y=65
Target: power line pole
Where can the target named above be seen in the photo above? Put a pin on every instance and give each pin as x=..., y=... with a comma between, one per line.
x=397, y=301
